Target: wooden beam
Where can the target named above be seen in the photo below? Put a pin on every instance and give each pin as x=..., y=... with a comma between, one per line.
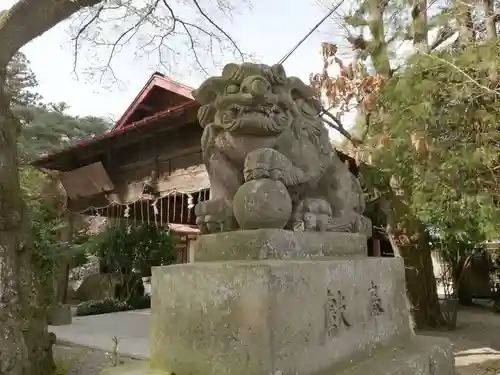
x=161, y=158
x=76, y=156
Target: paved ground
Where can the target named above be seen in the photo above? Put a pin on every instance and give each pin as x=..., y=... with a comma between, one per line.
x=476, y=340
x=97, y=331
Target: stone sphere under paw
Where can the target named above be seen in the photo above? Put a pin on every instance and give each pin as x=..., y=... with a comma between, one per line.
x=262, y=203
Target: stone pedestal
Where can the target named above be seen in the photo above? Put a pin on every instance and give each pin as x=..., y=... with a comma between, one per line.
x=283, y=303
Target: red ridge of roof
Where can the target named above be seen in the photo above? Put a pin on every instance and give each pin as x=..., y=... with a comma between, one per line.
x=156, y=79
x=117, y=131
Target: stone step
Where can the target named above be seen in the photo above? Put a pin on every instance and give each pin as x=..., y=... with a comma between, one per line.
x=421, y=355
x=262, y=244
x=258, y=317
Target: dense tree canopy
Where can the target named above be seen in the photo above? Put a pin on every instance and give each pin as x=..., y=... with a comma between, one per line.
x=45, y=127
x=443, y=141
x=49, y=129
x=426, y=124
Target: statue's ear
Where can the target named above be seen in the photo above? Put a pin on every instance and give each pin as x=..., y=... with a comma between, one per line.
x=231, y=72
x=208, y=90
x=279, y=74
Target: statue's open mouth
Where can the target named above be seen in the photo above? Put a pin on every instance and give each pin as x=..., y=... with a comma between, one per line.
x=253, y=119
x=241, y=111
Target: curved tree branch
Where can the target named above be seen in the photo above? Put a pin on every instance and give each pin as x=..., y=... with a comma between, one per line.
x=28, y=19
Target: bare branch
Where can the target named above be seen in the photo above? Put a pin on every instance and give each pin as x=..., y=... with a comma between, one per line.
x=337, y=125
x=191, y=40
x=76, y=39
x=153, y=24
x=218, y=28
x=122, y=35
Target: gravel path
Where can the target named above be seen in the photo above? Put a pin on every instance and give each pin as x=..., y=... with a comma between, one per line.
x=79, y=360
x=476, y=341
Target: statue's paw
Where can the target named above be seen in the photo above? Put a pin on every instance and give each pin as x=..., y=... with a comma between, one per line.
x=363, y=225
x=214, y=216
x=264, y=163
x=340, y=224
x=312, y=214
x=351, y=223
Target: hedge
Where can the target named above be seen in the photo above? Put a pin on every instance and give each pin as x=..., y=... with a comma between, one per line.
x=110, y=305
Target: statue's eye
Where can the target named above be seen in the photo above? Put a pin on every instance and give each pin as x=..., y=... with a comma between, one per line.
x=232, y=89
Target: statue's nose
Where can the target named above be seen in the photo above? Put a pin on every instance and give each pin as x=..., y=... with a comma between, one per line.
x=255, y=85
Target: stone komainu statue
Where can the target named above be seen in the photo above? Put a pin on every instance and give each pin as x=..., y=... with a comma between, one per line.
x=260, y=124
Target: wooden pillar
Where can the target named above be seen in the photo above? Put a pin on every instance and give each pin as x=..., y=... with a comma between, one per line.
x=63, y=272
x=376, y=247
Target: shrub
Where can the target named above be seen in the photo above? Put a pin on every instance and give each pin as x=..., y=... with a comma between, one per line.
x=139, y=302
x=104, y=306
x=129, y=252
x=124, y=248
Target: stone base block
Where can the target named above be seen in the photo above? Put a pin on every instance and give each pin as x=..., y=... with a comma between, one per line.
x=419, y=356
x=262, y=244
x=276, y=316
x=60, y=315
x=134, y=368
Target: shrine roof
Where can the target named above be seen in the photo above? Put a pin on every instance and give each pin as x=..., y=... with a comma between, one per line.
x=146, y=124
x=175, y=93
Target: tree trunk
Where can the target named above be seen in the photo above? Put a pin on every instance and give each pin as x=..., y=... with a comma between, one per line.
x=491, y=36
x=419, y=25
x=25, y=344
x=421, y=286
x=13, y=351
x=465, y=22
x=410, y=242
x=38, y=340
x=379, y=48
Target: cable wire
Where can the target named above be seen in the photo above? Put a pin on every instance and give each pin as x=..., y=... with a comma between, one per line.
x=284, y=58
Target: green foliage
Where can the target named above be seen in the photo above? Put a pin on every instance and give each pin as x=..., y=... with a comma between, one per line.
x=49, y=129
x=20, y=82
x=45, y=226
x=139, y=247
x=451, y=186
x=45, y=128
x=105, y=306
